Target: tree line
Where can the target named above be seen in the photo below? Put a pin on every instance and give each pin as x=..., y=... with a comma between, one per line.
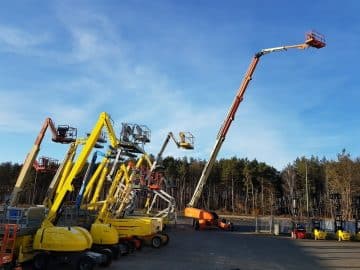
x=249, y=187
x=241, y=186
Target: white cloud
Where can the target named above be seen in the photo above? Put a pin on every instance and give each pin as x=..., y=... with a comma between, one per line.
x=105, y=78
x=20, y=40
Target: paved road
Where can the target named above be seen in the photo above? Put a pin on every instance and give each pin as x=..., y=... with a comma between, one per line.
x=333, y=254
x=218, y=250
x=206, y=250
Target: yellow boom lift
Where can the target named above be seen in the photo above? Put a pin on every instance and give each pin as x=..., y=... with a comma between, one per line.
x=69, y=244
x=120, y=197
x=104, y=238
x=203, y=218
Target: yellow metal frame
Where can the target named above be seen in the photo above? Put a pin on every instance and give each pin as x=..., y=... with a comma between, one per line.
x=91, y=196
x=123, y=195
x=65, y=185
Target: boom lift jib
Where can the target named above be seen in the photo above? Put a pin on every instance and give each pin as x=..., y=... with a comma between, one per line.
x=61, y=173
x=186, y=142
x=205, y=218
x=61, y=134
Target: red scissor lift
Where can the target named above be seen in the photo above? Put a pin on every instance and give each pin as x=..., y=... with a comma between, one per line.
x=7, y=248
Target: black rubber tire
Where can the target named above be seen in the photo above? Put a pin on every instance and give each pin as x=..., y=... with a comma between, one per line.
x=139, y=244
x=115, y=252
x=131, y=246
x=41, y=261
x=108, y=253
x=156, y=242
x=8, y=266
x=85, y=263
x=124, y=249
x=197, y=225
x=167, y=239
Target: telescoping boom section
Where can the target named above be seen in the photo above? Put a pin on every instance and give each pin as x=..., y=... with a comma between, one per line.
x=61, y=134
x=312, y=39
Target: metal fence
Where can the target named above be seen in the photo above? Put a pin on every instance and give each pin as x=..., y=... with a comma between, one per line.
x=270, y=224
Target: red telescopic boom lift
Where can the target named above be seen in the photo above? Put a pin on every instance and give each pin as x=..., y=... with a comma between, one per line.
x=203, y=218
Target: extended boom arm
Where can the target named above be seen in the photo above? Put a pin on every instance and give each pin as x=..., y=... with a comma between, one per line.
x=60, y=135
x=312, y=40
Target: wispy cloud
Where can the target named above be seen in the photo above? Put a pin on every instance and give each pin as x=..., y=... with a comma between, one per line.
x=18, y=40
x=179, y=77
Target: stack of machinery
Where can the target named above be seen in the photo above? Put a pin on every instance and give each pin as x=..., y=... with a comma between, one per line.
x=100, y=225
x=103, y=221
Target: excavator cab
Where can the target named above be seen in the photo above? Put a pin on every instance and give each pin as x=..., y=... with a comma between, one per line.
x=186, y=140
x=314, y=39
x=65, y=134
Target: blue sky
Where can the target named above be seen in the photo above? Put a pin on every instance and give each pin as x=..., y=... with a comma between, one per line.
x=176, y=65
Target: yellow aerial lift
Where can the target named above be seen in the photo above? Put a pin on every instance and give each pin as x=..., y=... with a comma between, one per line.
x=148, y=229
x=65, y=243
x=31, y=216
x=105, y=238
x=72, y=244
x=186, y=141
x=61, y=173
x=203, y=218
x=121, y=195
